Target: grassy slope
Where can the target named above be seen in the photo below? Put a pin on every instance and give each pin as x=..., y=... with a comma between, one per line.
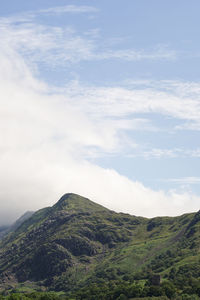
x=78, y=241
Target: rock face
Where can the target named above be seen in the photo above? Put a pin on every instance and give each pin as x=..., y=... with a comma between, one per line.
x=77, y=241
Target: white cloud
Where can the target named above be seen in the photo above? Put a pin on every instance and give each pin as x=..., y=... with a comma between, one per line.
x=185, y=180
x=189, y=126
x=194, y=153
x=47, y=134
x=158, y=53
x=54, y=45
x=46, y=44
x=45, y=138
x=123, y=102
x=69, y=9
x=160, y=153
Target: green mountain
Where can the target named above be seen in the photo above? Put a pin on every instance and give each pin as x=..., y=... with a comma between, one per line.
x=7, y=229
x=77, y=243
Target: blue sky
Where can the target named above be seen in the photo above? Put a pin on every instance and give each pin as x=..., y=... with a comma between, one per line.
x=100, y=98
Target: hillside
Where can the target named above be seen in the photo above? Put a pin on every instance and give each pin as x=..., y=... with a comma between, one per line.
x=77, y=242
x=7, y=229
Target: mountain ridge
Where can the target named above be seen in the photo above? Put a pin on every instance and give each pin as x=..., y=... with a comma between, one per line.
x=76, y=242
x=70, y=201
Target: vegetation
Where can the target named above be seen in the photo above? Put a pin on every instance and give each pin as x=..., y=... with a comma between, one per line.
x=78, y=249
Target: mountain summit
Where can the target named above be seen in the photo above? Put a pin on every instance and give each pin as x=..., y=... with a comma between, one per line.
x=73, y=202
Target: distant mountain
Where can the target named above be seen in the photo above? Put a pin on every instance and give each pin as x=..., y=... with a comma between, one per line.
x=77, y=242
x=6, y=229
x=3, y=230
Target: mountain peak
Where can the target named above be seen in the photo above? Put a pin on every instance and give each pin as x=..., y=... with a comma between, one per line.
x=75, y=202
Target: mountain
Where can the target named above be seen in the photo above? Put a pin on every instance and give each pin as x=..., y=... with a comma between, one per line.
x=77, y=242
x=6, y=229
x=3, y=230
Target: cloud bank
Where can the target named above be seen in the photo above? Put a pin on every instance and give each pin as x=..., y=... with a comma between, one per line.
x=47, y=134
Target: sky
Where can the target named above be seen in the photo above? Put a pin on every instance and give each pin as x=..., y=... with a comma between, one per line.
x=102, y=99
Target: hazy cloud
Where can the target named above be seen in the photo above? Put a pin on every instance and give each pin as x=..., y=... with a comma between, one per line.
x=69, y=9
x=45, y=138
x=63, y=45
x=185, y=180
x=48, y=133
x=123, y=102
x=169, y=153
x=158, y=53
